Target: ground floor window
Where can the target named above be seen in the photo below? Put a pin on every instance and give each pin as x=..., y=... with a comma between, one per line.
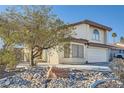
x=77, y=51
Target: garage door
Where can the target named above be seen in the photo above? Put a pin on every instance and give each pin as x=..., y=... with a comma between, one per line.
x=97, y=55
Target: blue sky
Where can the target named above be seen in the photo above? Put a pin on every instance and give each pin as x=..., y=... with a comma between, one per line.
x=112, y=16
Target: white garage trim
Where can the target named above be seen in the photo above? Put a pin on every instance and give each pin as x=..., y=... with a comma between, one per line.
x=97, y=54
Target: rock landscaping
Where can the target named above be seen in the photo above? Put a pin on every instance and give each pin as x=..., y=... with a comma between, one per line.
x=65, y=78
x=111, y=84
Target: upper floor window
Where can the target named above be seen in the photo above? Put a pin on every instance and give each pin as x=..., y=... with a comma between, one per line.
x=96, y=35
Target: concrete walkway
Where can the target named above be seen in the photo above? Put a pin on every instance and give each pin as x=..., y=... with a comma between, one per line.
x=80, y=67
x=77, y=67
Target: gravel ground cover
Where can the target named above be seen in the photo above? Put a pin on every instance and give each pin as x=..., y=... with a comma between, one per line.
x=66, y=78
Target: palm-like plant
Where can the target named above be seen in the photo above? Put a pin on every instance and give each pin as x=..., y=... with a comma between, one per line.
x=122, y=39
x=114, y=35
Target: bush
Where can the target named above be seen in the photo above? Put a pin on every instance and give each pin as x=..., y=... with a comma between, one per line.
x=117, y=66
x=8, y=59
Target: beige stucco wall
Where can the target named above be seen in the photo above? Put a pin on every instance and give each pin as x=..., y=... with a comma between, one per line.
x=26, y=54
x=102, y=35
x=84, y=31
x=81, y=31
x=48, y=56
x=53, y=56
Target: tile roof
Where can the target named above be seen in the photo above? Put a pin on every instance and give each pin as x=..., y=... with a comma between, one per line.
x=92, y=23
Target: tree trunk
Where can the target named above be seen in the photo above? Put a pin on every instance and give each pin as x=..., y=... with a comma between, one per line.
x=41, y=52
x=32, y=58
x=2, y=69
x=37, y=55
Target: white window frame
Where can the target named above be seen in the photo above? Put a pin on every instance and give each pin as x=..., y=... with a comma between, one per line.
x=96, y=35
x=78, y=47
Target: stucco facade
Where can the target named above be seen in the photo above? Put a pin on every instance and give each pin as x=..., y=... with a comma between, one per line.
x=92, y=50
x=85, y=31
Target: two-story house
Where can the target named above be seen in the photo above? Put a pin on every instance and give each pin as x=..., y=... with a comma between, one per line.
x=89, y=44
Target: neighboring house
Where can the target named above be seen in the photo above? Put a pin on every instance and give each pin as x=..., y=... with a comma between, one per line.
x=89, y=44
x=117, y=50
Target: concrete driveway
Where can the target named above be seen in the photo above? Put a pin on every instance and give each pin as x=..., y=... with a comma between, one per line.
x=99, y=63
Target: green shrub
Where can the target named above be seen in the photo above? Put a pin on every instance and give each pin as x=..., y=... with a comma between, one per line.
x=8, y=58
